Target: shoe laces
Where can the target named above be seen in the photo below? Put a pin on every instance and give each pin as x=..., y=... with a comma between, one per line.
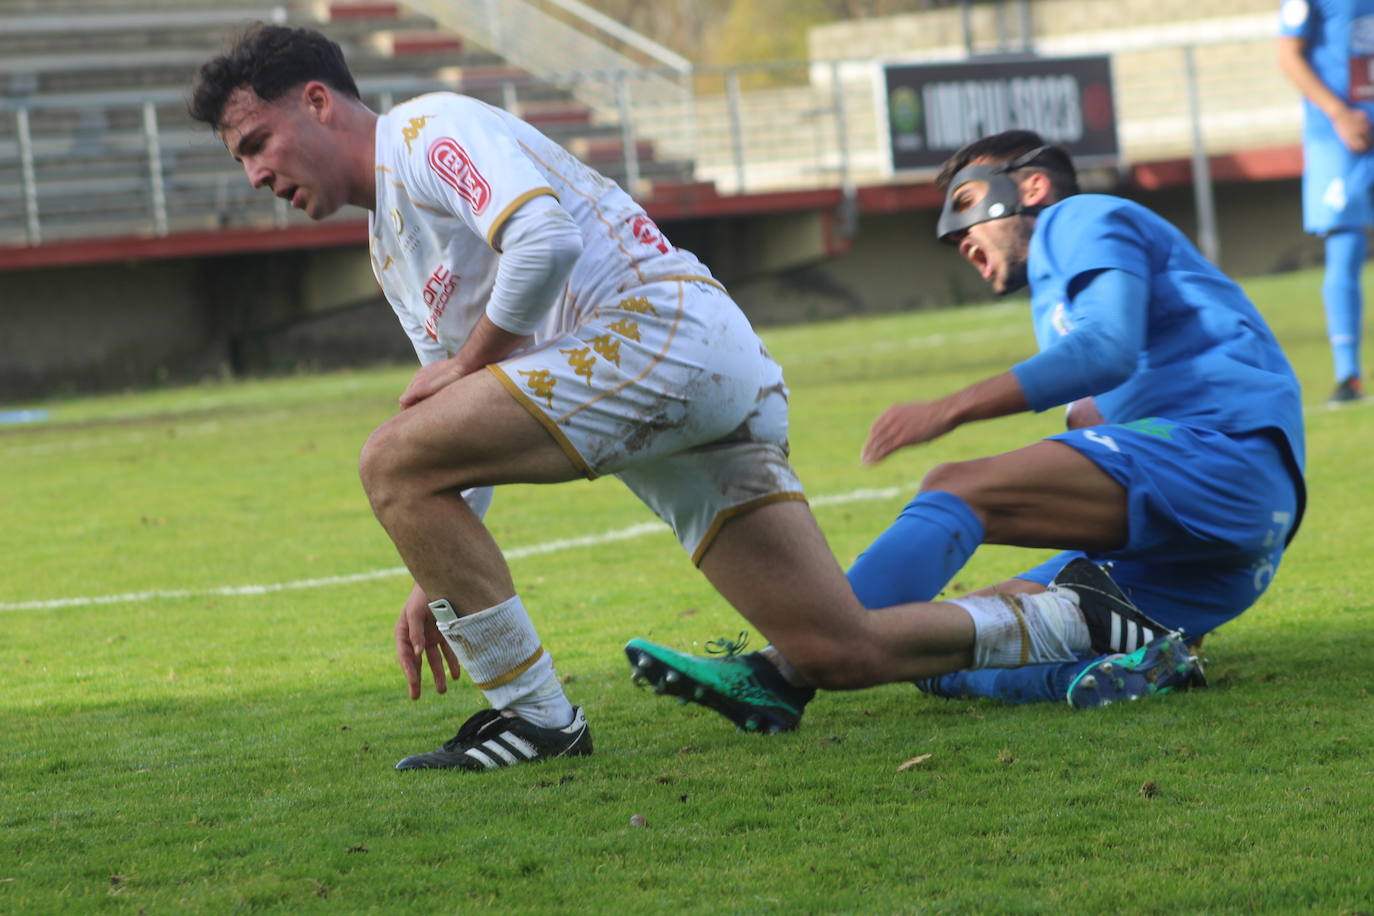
x=470, y=729
x=727, y=647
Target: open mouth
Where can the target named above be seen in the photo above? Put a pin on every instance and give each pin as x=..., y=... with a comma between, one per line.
x=978, y=258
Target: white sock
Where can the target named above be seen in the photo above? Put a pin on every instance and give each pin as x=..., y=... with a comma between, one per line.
x=501, y=653
x=1015, y=630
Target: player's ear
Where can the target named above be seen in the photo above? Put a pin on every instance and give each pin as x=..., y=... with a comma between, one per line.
x=317, y=99
x=1037, y=190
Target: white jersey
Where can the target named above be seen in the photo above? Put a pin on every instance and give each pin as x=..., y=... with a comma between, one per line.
x=450, y=171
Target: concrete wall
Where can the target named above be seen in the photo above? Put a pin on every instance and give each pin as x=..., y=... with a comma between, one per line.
x=139, y=324
x=131, y=325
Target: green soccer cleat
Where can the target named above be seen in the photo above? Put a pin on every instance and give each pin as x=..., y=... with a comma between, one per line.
x=746, y=689
x=1162, y=665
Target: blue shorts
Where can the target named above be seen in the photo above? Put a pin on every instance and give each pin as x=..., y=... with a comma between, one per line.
x=1208, y=517
x=1337, y=187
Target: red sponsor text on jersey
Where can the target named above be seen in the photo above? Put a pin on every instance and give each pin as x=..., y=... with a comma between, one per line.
x=644, y=229
x=453, y=165
x=438, y=291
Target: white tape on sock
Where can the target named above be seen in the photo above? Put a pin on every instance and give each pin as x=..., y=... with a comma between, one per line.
x=501, y=652
x=1015, y=630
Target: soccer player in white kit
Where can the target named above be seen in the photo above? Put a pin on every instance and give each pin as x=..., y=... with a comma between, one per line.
x=563, y=336
x=606, y=350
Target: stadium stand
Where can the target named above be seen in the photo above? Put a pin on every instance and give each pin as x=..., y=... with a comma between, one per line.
x=95, y=141
x=132, y=218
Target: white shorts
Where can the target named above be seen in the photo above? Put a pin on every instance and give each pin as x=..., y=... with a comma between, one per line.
x=669, y=389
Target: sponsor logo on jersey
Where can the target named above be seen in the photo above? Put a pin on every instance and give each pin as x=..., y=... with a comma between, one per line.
x=436, y=294
x=646, y=232
x=454, y=167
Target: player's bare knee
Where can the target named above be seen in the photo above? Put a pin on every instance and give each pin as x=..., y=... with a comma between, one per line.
x=371, y=463
x=382, y=468
x=950, y=477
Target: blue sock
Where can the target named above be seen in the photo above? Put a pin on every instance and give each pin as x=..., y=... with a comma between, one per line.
x=1029, y=684
x=1341, y=293
x=915, y=558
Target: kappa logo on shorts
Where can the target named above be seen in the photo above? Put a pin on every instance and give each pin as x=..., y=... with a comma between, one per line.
x=581, y=361
x=540, y=382
x=607, y=347
x=638, y=304
x=627, y=328
x=454, y=167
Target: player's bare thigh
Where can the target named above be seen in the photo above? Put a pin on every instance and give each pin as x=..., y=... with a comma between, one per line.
x=1044, y=495
x=470, y=433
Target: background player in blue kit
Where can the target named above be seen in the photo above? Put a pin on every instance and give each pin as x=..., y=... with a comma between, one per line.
x=1182, y=468
x=1326, y=47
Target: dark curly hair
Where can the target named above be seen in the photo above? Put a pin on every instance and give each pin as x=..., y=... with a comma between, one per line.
x=1003, y=147
x=269, y=59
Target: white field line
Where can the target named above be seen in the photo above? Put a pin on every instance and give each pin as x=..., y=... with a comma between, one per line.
x=516, y=553
x=132, y=437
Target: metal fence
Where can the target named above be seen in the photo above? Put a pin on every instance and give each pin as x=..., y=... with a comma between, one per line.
x=122, y=164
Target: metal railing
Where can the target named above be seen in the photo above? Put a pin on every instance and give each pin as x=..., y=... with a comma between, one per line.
x=133, y=164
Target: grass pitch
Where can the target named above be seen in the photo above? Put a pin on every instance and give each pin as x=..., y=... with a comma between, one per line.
x=200, y=713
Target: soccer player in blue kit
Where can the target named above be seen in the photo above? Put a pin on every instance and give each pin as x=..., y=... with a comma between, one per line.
x=1181, y=470
x=1326, y=48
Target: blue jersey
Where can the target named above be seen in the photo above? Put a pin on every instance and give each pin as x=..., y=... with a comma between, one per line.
x=1339, y=35
x=1197, y=351
x=1337, y=184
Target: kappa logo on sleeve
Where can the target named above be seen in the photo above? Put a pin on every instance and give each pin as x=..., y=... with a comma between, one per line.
x=453, y=165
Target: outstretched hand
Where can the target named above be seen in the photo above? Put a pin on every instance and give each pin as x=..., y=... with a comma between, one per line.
x=905, y=424
x=418, y=636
